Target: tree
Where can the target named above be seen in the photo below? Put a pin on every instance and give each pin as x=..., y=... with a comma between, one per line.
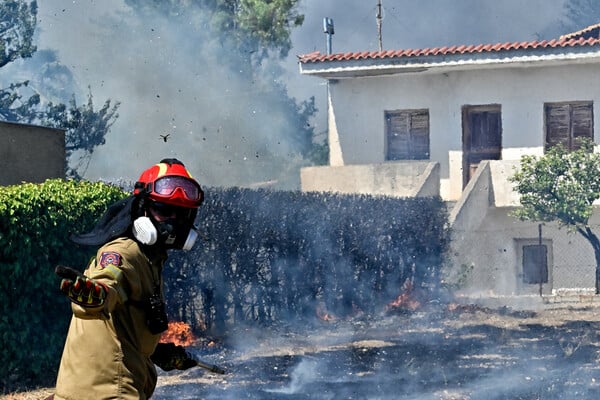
x=17, y=25
x=19, y=102
x=263, y=25
x=86, y=129
x=249, y=36
x=562, y=186
x=255, y=27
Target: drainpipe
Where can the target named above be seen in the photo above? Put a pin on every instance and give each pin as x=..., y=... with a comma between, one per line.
x=329, y=31
x=540, y=257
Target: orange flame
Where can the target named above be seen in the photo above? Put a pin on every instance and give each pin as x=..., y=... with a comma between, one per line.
x=405, y=300
x=179, y=333
x=323, y=314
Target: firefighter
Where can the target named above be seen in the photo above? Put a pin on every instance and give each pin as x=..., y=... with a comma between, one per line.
x=118, y=307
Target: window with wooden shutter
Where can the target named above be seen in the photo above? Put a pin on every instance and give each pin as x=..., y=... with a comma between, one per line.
x=407, y=134
x=567, y=122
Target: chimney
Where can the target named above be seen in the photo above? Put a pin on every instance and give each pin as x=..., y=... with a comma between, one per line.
x=328, y=30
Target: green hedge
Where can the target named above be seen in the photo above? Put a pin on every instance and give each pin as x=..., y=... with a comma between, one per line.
x=35, y=221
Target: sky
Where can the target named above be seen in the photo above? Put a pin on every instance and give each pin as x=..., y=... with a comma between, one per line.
x=166, y=84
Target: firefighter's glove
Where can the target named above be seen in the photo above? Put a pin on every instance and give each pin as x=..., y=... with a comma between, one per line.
x=168, y=356
x=80, y=289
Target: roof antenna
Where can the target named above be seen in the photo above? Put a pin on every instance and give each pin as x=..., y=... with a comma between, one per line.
x=328, y=29
x=379, y=17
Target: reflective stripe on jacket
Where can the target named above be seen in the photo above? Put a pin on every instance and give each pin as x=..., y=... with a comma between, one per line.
x=107, y=350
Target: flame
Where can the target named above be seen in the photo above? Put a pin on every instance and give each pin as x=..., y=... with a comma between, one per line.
x=179, y=333
x=405, y=300
x=323, y=314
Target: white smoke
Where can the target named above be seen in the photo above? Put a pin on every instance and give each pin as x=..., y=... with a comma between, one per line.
x=169, y=82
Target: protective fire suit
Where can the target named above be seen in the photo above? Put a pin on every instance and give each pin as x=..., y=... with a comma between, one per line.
x=107, y=350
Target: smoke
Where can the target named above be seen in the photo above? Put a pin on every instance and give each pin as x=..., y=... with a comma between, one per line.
x=171, y=80
x=302, y=375
x=224, y=128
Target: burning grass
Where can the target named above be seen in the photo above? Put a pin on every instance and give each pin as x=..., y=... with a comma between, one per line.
x=179, y=333
x=443, y=352
x=451, y=352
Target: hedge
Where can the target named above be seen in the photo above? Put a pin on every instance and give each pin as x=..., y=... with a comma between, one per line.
x=264, y=257
x=279, y=256
x=35, y=221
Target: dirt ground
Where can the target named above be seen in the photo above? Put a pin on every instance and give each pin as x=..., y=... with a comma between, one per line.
x=454, y=352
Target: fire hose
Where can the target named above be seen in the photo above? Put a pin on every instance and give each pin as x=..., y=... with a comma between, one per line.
x=211, y=367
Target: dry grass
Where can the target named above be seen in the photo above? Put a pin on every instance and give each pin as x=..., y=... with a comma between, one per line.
x=562, y=337
x=38, y=394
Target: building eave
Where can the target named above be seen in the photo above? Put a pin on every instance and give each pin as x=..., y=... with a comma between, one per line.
x=518, y=55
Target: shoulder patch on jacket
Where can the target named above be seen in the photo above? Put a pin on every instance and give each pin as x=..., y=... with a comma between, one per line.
x=109, y=258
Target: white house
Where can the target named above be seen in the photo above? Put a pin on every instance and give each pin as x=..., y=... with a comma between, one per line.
x=455, y=121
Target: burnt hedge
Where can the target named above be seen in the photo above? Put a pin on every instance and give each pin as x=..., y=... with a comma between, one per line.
x=269, y=256
x=265, y=257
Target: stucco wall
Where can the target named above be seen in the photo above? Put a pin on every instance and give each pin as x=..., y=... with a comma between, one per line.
x=30, y=153
x=398, y=179
x=359, y=104
x=488, y=239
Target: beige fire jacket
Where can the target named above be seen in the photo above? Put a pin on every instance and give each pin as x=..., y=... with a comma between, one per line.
x=107, y=350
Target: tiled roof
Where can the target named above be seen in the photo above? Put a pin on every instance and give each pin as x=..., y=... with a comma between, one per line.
x=592, y=31
x=573, y=40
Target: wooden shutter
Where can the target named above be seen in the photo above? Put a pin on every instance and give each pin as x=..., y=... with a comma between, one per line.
x=419, y=135
x=567, y=122
x=398, y=135
x=581, y=123
x=407, y=135
x=557, y=125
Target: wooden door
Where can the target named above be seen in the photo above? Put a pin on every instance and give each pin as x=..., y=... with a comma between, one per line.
x=482, y=137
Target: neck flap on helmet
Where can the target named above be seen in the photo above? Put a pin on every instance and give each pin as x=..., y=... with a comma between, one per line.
x=115, y=222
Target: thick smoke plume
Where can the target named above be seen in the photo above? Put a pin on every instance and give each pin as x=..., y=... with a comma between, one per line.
x=226, y=129
x=174, y=79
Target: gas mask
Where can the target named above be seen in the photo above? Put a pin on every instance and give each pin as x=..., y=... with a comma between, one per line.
x=166, y=225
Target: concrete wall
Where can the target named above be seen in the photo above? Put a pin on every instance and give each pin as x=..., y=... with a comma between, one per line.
x=487, y=239
x=357, y=126
x=30, y=153
x=398, y=179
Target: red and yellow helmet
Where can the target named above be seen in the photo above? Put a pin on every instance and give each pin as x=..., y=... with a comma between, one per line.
x=169, y=182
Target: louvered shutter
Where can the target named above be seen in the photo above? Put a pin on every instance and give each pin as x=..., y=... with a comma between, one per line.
x=407, y=135
x=557, y=125
x=419, y=135
x=581, y=123
x=567, y=122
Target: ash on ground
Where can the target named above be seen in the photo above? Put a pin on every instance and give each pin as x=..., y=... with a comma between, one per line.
x=459, y=352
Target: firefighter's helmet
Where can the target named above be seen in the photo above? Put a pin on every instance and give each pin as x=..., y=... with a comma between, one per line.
x=169, y=182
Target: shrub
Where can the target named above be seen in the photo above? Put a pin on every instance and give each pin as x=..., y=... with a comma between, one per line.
x=265, y=257
x=272, y=256
x=35, y=222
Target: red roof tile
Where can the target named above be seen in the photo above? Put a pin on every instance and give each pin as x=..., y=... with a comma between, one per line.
x=590, y=31
x=567, y=41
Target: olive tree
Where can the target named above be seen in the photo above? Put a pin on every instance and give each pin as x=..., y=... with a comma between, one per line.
x=561, y=186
